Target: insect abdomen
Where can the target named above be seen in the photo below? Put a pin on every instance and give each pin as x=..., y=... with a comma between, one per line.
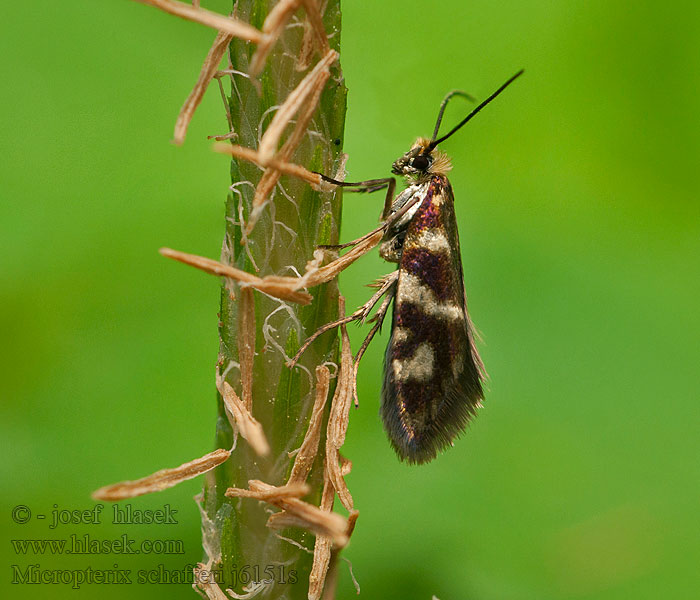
x=432, y=382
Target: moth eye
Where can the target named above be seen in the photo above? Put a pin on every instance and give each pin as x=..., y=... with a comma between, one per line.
x=420, y=162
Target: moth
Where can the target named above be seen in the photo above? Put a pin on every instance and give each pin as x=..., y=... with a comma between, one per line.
x=433, y=375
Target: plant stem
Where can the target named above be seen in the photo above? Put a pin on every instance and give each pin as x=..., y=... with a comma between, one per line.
x=291, y=226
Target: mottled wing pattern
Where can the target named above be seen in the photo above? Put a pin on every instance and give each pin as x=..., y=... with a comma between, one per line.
x=433, y=374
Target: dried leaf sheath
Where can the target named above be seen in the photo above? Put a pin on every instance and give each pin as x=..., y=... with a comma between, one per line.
x=210, y=19
x=211, y=64
x=163, y=479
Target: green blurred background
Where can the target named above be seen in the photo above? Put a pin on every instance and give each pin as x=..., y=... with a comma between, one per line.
x=577, y=196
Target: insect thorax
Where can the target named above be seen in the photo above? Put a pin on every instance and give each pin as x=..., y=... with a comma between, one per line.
x=417, y=165
x=392, y=243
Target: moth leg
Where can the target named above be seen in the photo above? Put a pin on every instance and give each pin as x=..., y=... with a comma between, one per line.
x=372, y=185
x=385, y=284
x=392, y=218
x=378, y=319
x=349, y=244
x=388, y=222
x=319, y=331
x=369, y=186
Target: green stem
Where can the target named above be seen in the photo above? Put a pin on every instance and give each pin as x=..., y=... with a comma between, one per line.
x=297, y=220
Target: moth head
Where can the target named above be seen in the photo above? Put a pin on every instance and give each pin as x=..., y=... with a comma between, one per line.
x=421, y=161
x=415, y=162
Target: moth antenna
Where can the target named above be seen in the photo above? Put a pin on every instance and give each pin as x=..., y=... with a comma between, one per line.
x=472, y=114
x=445, y=100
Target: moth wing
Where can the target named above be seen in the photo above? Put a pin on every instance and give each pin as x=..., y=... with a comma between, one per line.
x=433, y=373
